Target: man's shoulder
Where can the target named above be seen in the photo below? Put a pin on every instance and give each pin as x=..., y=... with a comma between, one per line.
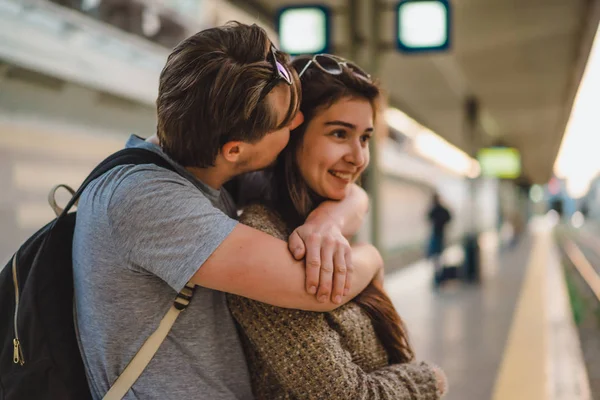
x=141, y=179
x=145, y=173
x=129, y=188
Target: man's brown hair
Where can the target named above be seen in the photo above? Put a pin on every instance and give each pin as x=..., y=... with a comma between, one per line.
x=211, y=92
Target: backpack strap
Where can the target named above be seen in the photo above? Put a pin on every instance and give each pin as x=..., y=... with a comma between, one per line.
x=52, y=197
x=145, y=354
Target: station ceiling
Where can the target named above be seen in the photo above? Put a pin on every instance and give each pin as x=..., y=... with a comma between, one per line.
x=522, y=59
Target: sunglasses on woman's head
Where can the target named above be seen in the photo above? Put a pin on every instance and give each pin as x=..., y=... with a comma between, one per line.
x=334, y=65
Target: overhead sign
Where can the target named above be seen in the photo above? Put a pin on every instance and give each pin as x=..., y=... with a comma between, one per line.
x=423, y=25
x=500, y=162
x=304, y=29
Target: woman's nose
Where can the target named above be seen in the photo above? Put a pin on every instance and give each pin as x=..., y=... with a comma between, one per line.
x=357, y=154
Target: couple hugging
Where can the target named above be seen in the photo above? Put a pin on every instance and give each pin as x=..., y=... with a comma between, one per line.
x=284, y=307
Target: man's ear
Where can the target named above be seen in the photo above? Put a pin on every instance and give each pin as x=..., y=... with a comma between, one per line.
x=297, y=121
x=231, y=151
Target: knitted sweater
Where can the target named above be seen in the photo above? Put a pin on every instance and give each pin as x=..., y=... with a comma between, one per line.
x=294, y=354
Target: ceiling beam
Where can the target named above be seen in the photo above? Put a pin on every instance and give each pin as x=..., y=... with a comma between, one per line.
x=257, y=9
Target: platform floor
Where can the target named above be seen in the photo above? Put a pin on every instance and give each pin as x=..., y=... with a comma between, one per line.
x=497, y=339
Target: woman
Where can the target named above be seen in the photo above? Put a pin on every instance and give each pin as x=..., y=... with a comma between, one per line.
x=361, y=349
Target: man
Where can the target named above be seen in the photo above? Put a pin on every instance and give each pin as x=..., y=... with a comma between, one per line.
x=227, y=101
x=439, y=217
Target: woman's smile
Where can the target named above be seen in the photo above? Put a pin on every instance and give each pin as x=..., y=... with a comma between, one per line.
x=345, y=177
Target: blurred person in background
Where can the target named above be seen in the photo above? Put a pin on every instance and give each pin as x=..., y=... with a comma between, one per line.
x=518, y=228
x=439, y=217
x=227, y=100
x=360, y=350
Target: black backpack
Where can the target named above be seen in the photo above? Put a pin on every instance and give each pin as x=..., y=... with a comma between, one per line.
x=40, y=357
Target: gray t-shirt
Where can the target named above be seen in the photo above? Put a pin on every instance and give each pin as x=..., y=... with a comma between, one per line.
x=141, y=234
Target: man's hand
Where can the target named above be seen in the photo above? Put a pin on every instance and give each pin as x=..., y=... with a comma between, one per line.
x=328, y=257
x=322, y=239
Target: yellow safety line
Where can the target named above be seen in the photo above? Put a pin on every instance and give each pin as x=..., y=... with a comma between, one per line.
x=522, y=374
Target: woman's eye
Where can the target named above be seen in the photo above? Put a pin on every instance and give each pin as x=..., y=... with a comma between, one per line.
x=339, y=134
x=365, y=138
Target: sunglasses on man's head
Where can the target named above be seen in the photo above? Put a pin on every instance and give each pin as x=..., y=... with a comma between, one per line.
x=334, y=65
x=280, y=70
x=280, y=73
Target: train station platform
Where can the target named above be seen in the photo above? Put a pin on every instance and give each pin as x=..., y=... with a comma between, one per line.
x=510, y=337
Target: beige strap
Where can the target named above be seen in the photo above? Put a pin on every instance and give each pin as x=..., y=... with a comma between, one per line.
x=141, y=360
x=52, y=198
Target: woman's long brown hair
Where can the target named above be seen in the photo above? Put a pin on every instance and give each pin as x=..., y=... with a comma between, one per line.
x=295, y=200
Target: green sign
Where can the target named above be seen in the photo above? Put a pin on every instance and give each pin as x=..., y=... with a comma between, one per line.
x=500, y=162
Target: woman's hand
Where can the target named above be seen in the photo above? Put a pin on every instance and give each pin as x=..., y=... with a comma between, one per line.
x=442, y=381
